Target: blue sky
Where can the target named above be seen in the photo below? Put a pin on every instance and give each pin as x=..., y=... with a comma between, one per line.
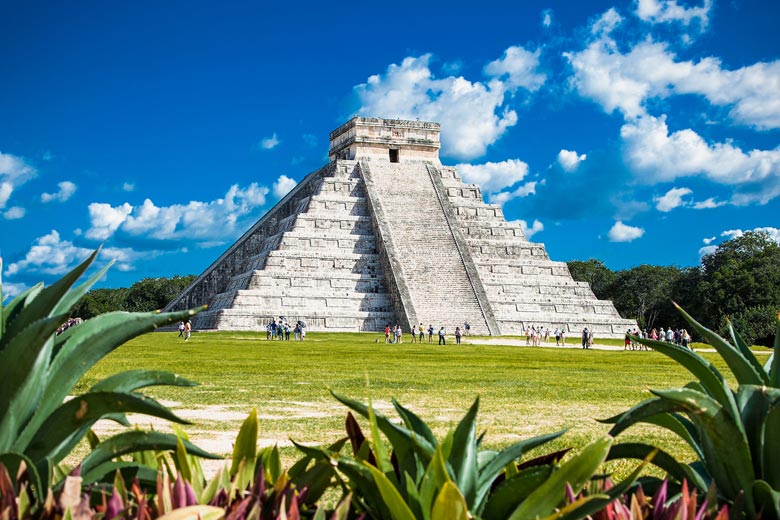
x=643, y=131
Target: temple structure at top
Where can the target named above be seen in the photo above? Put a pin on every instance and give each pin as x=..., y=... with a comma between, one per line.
x=382, y=234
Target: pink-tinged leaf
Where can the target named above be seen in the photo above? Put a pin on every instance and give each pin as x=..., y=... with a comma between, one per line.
x=114, y=506
x=570, y=496
x=190, y=494
x=179, y=495
x=659, y=500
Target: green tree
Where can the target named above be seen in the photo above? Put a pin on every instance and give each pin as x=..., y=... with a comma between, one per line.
x=149, y=294
x=645, y=293
x=598, y=275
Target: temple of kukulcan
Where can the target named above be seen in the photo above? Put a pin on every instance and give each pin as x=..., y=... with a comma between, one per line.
x=384, y=233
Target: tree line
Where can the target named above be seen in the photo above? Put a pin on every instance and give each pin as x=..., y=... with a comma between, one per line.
x=149, y=294
x=740, y=279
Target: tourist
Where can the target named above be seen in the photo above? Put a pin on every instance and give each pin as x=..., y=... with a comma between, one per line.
x=457, y=335
x=398, y=334
x=557, y=336
x=297, y=331
x=585, y=337
x=590, y=338
x=181, y=329
x=286, y=331
x=430, y=333
x=528, y=335
x=442, y=340
x=187, y=330
x=669, y=335
x=627, y=342
x=422, y=333
x=414, y=333
x=387, y=333
x=563, y=337
x=467, y=328
x=273, y=329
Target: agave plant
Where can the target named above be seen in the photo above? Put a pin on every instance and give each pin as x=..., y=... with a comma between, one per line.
x=420, y=477
x=735, y=433
x=40, y=421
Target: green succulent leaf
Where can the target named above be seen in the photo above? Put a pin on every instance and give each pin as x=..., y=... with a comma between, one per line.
x=46, y=300
x=771, y=447
x=743, y=370
x=496, y=465
x=435, y=476
x=708, y=376
x=12, y=462
x=450, y=504
x=744, y=349
x=640, y=412
x=767, y=500
x=88, y=344
x=679, y=425
x=725, y=448
x=14, y=307
x=23, y=367
x=575, y=471
x=661, y=459
x=463, y=457
x=774, y=360
x=245, y=447
x=392, y=498
x=137, y=441
x=510, y=493
x=133, y=380
x=414, y=423
x=64, y=428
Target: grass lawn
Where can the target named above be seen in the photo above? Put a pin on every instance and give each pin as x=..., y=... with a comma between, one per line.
x=524, y=391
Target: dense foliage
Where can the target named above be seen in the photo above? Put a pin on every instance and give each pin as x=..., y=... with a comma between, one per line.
x=149, y=294
x=740, y=279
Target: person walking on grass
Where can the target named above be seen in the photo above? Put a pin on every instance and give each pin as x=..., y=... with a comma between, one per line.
x=585, y=337
x=414, y=333
x=457, y=335
x=442, y=340
x=430, y=333
x=181, y=329
x=398, y=334
x=187, y=330
x=422, y=333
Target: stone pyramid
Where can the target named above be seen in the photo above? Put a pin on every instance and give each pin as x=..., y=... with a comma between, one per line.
x=385, y=234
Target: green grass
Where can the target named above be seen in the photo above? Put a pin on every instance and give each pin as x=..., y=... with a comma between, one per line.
x=524, y=391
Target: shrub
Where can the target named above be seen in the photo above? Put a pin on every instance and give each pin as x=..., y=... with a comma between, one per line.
x=734, y=433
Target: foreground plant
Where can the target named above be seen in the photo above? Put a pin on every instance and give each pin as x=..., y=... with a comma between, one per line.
x=735, y=434
x=413, y=475
x=39, y=424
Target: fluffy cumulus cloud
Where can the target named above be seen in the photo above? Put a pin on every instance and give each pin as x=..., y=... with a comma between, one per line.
x=671, y=199
x=204, y=222
x=51, y=255
x=518, y=68
x=664, y=11
x=657, y=155
x=472, y=114
x=621, y=232
x=569, y=160
x=494, y=176
x=283, y=185
x=524, y=190
x=709, y=247
x=14, y=213
x=269, y=143
x=66, y=191
x=14, y=172
x=625, y=81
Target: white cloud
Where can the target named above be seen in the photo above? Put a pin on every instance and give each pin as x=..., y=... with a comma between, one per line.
x=671, y=199
x=205, y=222
x=708, y=241
x=774, y=233
x=707, y=250
x=50, y=255
x=66, y=191
x=709, y=203
x=14, y=172
x=14, y=213
x=524, y=190
x=626, y=81
x=472, y=114
x=518, y=68
x=535, y=228
x=606, y=23
x=624, y=233
x=283, y=185
x=128, y=186
x=547, y=18
x=660, y=11
x=12, y=290
x=569, y=160
x=494, y=176
x=658, y=155
x=106, y=219
x=269, y=143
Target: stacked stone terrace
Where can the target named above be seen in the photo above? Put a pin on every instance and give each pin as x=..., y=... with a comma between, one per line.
x=385, y=234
